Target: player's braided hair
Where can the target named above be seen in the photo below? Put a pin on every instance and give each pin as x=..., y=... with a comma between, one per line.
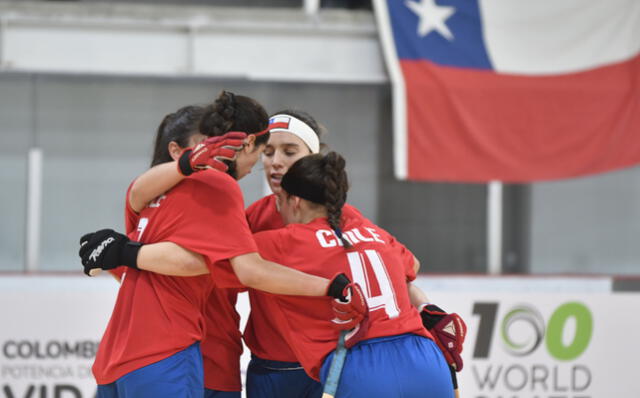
x=231, y=112
x=178, y=127
x=336, y=185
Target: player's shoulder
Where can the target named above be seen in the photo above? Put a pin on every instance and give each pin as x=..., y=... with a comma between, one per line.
x=350, y=211
x=212, y=177
x=278, y=234
x=261, y=205
x=364, y=225
x=353, y=216
x=270, y=242
x=212, y=180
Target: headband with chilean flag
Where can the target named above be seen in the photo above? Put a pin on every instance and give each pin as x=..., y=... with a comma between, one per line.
x=295, y=126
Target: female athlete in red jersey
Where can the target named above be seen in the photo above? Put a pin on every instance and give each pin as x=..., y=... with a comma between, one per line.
x=274, y=370
x=177, y=132
x=150, y=347
x=395, y=356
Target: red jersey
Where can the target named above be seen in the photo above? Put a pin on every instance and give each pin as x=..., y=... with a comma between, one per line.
x=261, y=333
x=156, y=315
x=130, y=223
x=263, y=214
x=377, y=262
x=222, y=345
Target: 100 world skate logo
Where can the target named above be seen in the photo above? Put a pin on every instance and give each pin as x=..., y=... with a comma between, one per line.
x=522, y=330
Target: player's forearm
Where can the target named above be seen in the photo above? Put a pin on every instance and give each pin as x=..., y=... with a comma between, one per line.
x=416, y=295
x=153, y=183
x=167, y=258
x=255, y=272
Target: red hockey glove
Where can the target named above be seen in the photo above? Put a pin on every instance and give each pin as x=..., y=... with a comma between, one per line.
x=349, y=307
x=211, y=153
x=449, y=332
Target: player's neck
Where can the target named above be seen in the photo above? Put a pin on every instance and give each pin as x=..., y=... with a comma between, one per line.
x=311, y=214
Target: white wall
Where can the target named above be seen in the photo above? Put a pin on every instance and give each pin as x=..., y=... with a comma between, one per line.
x=281, y=44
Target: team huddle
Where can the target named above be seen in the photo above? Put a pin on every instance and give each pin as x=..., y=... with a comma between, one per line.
x=315, y=269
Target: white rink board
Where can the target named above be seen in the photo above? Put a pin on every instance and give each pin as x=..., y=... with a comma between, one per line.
x=604, y=367
x=50, y=331
x=51, y=326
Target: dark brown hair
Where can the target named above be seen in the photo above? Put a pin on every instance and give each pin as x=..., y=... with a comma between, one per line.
x=321, y=179
x=178, y=126
x=231, y=112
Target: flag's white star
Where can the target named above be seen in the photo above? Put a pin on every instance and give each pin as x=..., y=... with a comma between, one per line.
x=432, y=17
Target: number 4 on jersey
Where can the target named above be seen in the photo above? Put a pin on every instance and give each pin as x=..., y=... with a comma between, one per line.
x=387, y=298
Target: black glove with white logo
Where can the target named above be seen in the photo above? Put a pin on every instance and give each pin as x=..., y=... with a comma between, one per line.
x=107, y=249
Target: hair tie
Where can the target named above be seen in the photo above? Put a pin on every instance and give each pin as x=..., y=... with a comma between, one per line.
x=338, y=232
x=231, y=96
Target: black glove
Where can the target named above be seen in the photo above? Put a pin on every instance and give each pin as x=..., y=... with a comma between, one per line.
x=338, y=284
x=107, y=249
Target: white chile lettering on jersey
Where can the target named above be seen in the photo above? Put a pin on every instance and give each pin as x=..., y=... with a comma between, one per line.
x=387, y=298
x=374, y=234
x=142, y=225
x=348, y=235
x=359, y=235
x=323, y=234
x=328, y=238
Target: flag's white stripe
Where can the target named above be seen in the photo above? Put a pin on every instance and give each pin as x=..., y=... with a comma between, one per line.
x=535, y=37
x=399, y=94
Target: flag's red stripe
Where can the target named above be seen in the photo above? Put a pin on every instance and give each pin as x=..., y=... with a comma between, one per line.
x=469, y=125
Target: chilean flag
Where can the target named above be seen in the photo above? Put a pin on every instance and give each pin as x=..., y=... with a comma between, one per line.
x=512, y=90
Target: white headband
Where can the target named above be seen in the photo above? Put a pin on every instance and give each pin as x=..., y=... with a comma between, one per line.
x=296, y=127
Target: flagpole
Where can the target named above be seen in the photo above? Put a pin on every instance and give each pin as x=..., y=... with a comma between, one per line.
x=494, y=227
x=398, y=98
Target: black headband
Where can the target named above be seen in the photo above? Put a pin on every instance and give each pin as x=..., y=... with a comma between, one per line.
x=304, y=189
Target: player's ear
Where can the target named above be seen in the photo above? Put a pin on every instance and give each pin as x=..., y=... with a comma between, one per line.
x=174, y=150
x=296, y=202
x=250, y=143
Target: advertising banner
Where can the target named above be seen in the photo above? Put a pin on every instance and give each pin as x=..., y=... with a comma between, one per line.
x=547, y=345
x=50, y=330
x=519, y=345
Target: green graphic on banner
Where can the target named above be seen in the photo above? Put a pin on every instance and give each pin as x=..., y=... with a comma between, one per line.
x=557, y=324
x=530, y=316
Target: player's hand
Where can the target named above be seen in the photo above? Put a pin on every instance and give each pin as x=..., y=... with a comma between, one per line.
x=349, y=307
x=107, y=249
x=211, y=153
x=449, y=332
